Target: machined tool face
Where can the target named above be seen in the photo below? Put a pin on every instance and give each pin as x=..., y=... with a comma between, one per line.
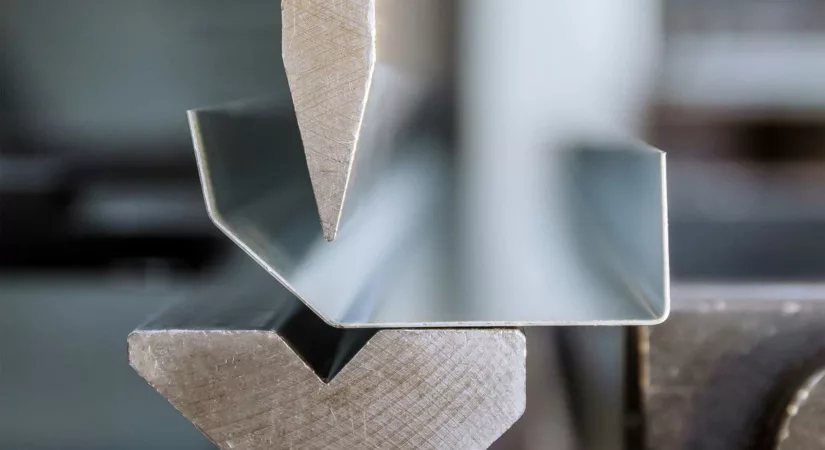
x=356, y=71
x=250, y=370
x=738, y=365
x=457, y=389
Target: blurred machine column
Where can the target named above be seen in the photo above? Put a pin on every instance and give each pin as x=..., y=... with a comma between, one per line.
x=536, y=77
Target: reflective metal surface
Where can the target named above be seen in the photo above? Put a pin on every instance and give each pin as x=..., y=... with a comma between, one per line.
x=401, y=259
x=258, y=371
x=356, y=69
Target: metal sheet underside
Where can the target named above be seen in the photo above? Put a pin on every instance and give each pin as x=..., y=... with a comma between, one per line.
x=600, y=253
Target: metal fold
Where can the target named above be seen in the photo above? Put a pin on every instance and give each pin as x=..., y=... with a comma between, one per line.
x=407, y=255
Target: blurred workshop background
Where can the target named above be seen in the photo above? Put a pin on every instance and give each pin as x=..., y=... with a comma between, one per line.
x=102, y=222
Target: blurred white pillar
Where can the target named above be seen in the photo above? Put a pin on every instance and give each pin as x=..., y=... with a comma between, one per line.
x=536, y=75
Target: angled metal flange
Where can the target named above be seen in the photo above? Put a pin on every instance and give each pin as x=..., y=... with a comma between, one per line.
x=260, y=371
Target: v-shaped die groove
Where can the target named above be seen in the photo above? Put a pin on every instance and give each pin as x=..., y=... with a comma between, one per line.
x=248, y=389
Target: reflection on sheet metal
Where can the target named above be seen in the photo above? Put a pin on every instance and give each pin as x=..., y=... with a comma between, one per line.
x=400, y=256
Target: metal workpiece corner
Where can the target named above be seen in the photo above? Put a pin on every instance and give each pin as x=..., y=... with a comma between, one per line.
x=253, y=373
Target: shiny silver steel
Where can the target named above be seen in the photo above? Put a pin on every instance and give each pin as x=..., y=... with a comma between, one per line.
x=257, y=370
x=400, y=259
x=356, y=69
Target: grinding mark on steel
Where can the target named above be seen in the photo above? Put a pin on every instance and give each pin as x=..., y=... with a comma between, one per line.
x=406, y=389
x=329, y=66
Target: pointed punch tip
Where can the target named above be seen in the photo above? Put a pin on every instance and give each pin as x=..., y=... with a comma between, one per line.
x=330, y=231
x=329, y=186
x=329, y=94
